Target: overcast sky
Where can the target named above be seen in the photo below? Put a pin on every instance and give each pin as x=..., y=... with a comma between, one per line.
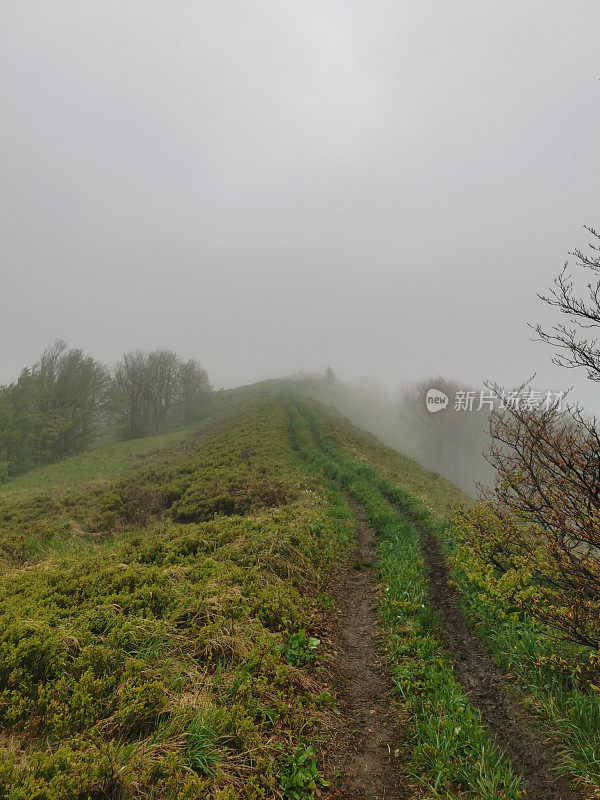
x=278, y=186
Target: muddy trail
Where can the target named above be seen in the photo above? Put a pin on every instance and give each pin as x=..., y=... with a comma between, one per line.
x=365, y=747
x=513, y=730
x=483, y=683
x=366, y=743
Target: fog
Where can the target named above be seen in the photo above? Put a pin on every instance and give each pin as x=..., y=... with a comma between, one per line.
x=274, y=187
x=452, y=444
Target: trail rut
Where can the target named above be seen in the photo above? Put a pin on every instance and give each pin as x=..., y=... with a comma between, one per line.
x=484, y=684
x=367, y=741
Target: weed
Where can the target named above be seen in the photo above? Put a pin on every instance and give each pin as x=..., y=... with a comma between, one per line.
x=299, y=776
x=301, y=649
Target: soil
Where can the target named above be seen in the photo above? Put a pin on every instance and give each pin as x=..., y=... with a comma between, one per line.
x=366, y=746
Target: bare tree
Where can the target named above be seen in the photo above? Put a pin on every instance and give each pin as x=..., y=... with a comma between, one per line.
x=576, y=348
x=155, y=391
x=132, y=393
x=534, y=541
x=163, y=374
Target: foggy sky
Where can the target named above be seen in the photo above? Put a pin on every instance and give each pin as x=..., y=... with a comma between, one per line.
x=278, y=186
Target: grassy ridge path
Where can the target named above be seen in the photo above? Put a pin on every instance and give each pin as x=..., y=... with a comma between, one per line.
x=367, y=739
x=482, y=681
x=364, y=749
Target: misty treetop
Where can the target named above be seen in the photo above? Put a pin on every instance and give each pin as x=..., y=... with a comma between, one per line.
x=60, y=405
x=155, y=391
x=450, y=442
x=54, y=409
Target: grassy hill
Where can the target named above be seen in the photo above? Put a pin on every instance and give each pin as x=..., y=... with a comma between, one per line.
x=170, y=626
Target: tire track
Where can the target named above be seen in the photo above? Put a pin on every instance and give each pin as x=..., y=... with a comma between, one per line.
x=484, y=684
x=367, y=742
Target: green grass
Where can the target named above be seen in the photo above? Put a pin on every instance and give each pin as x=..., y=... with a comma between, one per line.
x=205, y=741
x=152, y=662
x=100, y=464
x=158, y=610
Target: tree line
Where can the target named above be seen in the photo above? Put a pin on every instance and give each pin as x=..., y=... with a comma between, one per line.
x=61, y=404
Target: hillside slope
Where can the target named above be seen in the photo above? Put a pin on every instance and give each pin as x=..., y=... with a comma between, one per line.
x=249, y=610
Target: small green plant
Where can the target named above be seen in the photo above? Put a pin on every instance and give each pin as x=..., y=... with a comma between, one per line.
x=327, y=700
x=204, y=746
x=299, y=777
x=301, y=649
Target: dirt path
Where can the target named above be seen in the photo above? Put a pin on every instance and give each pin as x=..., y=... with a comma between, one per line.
x=364, y=750
x=483, y=682
x=365, y=745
